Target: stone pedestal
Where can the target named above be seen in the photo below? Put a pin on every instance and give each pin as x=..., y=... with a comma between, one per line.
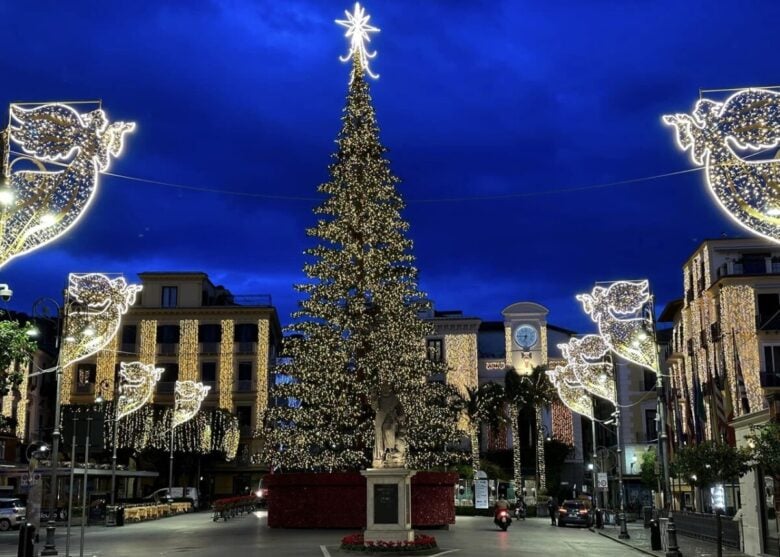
x=388, y=504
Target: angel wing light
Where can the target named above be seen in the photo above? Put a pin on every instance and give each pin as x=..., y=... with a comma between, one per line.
x=748, y=191
x=619, y=312
x=585, y=363
x=38, y=206
x=188, y=396
x=96, y=305
x=137, y=381
x=570, y=392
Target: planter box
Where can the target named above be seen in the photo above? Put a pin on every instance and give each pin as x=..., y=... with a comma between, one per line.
x=338, y=500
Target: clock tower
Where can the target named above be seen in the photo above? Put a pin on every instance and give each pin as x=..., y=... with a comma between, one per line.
x=525, y=332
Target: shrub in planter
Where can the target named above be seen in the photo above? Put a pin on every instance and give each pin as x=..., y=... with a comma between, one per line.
x=355, y=542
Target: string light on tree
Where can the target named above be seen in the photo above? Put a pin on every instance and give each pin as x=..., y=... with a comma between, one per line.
x=358, y=31
x=38, y=206
x=748, y=120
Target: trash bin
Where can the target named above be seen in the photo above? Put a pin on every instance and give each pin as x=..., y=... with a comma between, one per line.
x=655, y=535
x=111, y=515
x=26, y=537
x=120, y=516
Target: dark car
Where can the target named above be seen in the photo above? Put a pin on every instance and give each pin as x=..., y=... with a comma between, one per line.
x=575, y=512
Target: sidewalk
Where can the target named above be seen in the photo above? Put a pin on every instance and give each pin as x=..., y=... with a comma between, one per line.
x=689, y=547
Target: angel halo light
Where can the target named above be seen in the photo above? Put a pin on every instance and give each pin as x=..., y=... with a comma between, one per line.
x=39, y=205
x=715, y=133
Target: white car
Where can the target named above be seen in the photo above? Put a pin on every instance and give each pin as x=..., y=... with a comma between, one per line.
x=12, y=514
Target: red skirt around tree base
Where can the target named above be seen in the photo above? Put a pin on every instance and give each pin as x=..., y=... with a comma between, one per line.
x=338, y=500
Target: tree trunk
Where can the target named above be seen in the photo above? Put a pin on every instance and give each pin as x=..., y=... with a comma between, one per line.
x=474, y=431
x=518, y=473
x=541, y=473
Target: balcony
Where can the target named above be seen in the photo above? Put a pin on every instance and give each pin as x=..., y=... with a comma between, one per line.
x=128, y=347
x=750, y=266
x=246, y=347
x=209, y=348
x=770, y=379
x=85, y=388
x=165, y=387
x=167, y=348
x=244, y=386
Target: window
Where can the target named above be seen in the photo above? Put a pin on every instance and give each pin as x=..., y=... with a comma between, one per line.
x=168, y=334
x=208, y=372
x=171, y=373
x=772, y=358
x=649, y=380
x=210, y=333
x=768, y=307
x=169, y=296
x=85, y=373
x=754, y=263
x=651, y=426
x=435, y=350
x=244, y=371
x=245, y=332
x=129, y=335
x=244, y=415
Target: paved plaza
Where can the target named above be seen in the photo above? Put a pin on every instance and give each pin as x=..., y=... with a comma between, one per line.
x=196, y=535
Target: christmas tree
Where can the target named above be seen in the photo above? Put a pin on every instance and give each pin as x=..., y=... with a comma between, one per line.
x=358, y=330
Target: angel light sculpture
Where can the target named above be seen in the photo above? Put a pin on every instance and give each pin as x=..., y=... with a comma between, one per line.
x=714, y=133
x=96, y=304
x=571, y=393
x=137, y=382
x=188, y=396
x=38, y=206
x=585, y=360
x=619, y=312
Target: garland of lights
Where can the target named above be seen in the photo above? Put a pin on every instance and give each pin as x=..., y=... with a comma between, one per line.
x=541, y=469
x=212, y=430
x=596, y=377
x=21, y=407
x=562, y=423
x=261, y=389
x=570, y=392
x=358, y=31
x=95, y=306
x=226, y=366
x=461, y=357
x=188, y=350
x=620, y=313
x=106, y=367
x=39, y=206
x=137, y=382
x=748, y=120
x=147, y=351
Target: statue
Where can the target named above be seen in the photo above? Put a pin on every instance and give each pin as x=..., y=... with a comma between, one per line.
x=389, y=443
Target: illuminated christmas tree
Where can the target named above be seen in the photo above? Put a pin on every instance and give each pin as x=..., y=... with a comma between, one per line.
x=358, y=330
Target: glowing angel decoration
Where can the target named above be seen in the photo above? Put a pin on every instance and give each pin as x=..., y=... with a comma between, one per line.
x=38, y=206
x=137, y=382
x=585, y=363
x=188, y=396
x=748, y=191
x=358, y=31
x=619, y=312
x=571, y=393
x=95, y=308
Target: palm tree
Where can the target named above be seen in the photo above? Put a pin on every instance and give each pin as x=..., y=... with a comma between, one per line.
x=482, y=404
x=514, y=395
x=540, y=393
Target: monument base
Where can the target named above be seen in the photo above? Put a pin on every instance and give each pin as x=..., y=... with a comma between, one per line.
x=388, y=504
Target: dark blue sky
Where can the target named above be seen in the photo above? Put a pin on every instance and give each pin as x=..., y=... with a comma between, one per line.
x=474, y=99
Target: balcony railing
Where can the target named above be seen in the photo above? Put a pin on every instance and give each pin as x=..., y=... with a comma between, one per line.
x=212, y=385
x=244, y=386
x=246, y=347
x=128, y=347
x=167, y=348
x=770, y=379
x=85, y=388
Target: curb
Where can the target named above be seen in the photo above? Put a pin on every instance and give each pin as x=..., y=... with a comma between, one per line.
x=641, y=550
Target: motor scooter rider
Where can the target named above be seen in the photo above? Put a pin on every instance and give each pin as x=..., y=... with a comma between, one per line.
x=502, y=505
x=520, y=509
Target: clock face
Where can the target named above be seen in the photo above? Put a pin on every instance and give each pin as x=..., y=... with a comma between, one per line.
x=526, y=336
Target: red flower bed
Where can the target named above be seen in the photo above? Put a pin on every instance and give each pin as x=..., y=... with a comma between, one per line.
x=355, y=542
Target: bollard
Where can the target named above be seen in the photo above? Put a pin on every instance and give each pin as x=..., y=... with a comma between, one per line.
x=719, y=532
x=26, y=537
x=655, y=535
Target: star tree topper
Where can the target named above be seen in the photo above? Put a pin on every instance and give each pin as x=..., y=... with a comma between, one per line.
x=358, y=31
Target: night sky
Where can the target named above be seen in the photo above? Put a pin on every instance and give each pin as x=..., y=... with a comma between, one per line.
x=476, y=100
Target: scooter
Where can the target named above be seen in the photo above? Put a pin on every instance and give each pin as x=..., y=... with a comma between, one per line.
x=502, y=519
x=519, y=513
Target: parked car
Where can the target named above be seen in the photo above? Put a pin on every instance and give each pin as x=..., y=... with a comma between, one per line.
x=12, y=514
x=574, y=511
x=163, y=495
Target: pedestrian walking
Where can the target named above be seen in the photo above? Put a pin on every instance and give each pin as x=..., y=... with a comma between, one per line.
x=552, y=507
